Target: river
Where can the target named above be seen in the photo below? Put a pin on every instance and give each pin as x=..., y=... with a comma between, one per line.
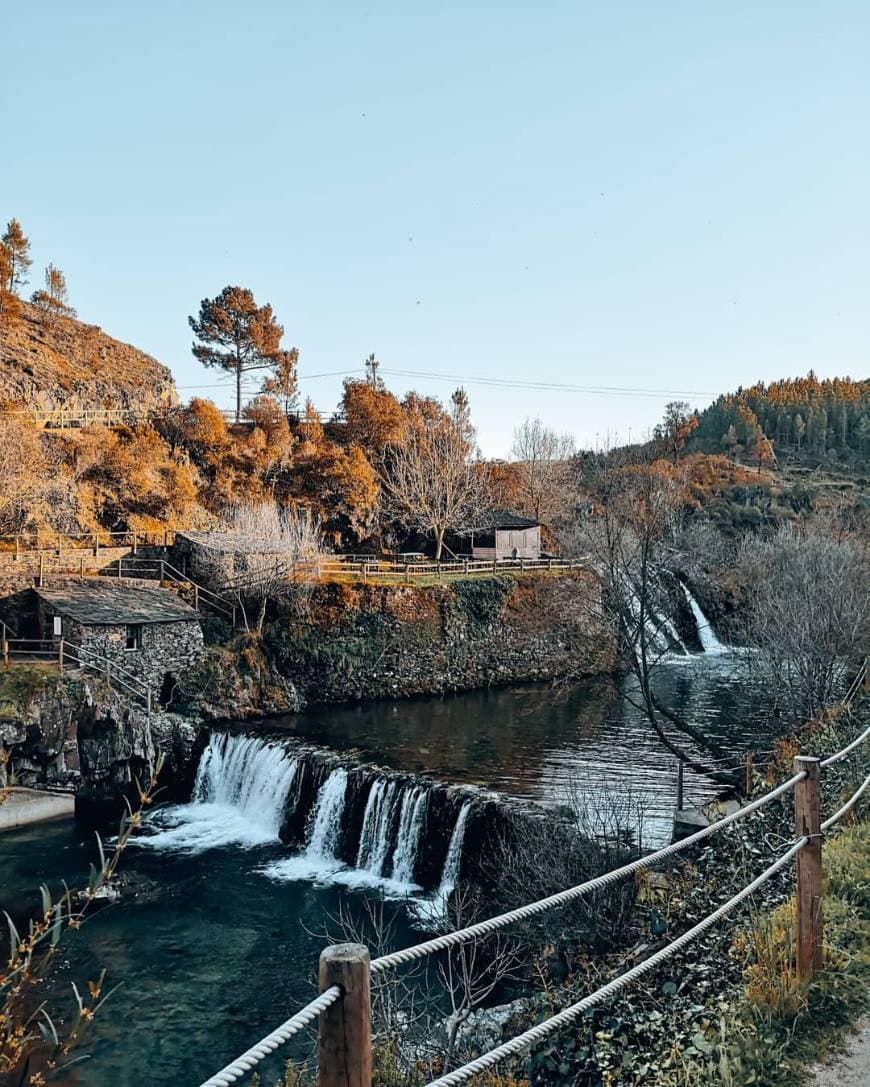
x=220, y=940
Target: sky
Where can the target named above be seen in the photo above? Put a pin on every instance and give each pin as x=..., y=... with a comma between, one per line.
x=659, y=200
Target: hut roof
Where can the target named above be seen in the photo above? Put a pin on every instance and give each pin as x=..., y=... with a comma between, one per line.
x=110, y=605
x=492, y=519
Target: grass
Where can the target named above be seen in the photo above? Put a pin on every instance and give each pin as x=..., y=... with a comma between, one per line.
x=19, y=683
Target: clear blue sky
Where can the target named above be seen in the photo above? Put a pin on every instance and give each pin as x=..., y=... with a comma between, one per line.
x=654, y=195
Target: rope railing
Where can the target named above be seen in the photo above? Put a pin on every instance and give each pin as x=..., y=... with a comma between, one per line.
x=525, y=1041
x=847, y=807
x=562, y=898
x=252, y=1057
x=357, y=1054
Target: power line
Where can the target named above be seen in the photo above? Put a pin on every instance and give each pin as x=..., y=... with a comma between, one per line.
x=512, y=383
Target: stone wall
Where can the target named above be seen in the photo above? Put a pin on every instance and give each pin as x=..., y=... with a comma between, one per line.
x=166, y=647
x=369, y=641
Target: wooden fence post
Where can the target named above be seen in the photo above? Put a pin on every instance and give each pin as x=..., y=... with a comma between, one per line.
x=196, y=597
x=81, y=566
x=41, y=568
x=680, y=775
x=5, y=652
x=747, y=774
x=808, y=891
x=344, y=1033
x=60, y=656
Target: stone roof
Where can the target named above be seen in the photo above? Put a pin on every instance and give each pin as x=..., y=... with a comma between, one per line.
x=109, y=604
x=230, y=542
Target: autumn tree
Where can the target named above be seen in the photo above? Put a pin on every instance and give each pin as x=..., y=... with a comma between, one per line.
x=282, y=382
x=10, y=307
x=336, y=484
x=17, y=247
x=433, y=480
x=542, y=457
x=373, y=417
x=53, y=300
x=678, y=423
x=237, y=335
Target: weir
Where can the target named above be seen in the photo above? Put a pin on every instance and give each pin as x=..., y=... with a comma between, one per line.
x=342, y=823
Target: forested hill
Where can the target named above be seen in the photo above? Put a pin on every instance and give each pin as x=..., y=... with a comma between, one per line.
x=821, y=421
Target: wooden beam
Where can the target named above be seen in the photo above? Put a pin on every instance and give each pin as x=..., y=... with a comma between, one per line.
x=808, y=890
x=344, y=1032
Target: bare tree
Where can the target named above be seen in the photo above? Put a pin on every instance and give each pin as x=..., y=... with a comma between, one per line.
x=638, y=516
x=543, y=458
x=261, y=555
x=434, y=481
x=808, y=613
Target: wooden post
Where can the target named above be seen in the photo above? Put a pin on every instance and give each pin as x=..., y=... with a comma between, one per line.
x=747, y=774
x=81, y=566
x=60, y=656
x=808, y=892
x=196, y=597
x=41, y=567
x=120, y=564
x=495, y=566
x=162, y=571
x=344, y=1033
x=680, y=773
x=5, y=651
x=17, y=547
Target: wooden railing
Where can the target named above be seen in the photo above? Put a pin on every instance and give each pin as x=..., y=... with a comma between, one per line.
x=163, y=571
x=74, y=417
x=66, y=655
x=373, y=568
x=57, y=542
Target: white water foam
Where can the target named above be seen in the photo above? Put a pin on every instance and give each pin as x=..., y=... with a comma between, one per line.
x=434, y=910
x=239, y=798
x=709, y=642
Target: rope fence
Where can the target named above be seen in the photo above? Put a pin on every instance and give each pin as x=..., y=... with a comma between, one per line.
x=345, y=1039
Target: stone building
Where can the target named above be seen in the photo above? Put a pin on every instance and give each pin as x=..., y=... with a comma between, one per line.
x=148, y=632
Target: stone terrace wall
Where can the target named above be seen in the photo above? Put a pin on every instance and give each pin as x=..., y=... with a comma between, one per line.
x=370, y=641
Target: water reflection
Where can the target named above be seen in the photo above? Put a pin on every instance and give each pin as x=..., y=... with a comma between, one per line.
x=557, y=744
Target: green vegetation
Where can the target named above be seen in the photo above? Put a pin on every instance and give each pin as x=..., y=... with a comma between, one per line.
x=20, y=683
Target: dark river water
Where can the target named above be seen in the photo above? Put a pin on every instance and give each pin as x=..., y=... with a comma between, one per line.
x=213, y=950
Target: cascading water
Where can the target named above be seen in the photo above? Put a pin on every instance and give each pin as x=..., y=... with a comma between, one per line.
x=411, y=820
x=709, y=642
x=239, y=797
x=374, y=845
x=434, y=910
x=326, y=828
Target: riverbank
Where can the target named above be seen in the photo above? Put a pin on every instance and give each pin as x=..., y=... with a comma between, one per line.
x=729, y=1007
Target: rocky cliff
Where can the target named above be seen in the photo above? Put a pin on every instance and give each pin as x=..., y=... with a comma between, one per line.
x=354, y=642
x=67, y=364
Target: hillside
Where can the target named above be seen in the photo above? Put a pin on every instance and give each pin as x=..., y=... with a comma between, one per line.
x=66, y=363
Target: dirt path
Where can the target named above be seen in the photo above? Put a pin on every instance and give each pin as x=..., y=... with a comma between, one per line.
x=850, y=1070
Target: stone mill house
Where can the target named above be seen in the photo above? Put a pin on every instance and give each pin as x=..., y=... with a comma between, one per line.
x=148, y=632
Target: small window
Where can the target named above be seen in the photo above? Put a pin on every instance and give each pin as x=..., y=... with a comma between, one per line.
x=134, y=636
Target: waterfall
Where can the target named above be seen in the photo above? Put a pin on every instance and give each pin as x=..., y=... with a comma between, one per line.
x=326, y=828
x=709, y=642
x=239, y=797
x=434, y=910
x=374, y=843
x=411, y=821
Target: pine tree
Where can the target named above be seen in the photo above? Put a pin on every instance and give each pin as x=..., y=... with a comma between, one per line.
x=18, y=252
x=53, y=301
x=282, y=383
x=236, y=334
x=10, y=307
